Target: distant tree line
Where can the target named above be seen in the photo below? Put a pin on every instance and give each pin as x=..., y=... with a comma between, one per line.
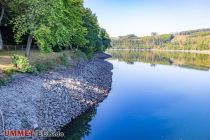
x=52, y=25
x=147, y=42
x=186, y=40
x=190, y=32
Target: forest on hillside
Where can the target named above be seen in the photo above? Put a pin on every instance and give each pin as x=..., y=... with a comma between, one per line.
x=52, y=25
x=186, y=40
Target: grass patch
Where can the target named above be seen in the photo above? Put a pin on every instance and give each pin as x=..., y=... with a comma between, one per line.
x=2, y=81
x=9, y=71
x=42, y=66
x=63, y=59
x=15, y=61
x=78, y=55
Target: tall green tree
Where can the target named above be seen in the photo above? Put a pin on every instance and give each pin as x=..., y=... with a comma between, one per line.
x=74, y=12
x=31, y=18
x=3, y=5
x=105, y=38
x=98, y=39
x=60, y=23
x=50, y=23
x=93, y=30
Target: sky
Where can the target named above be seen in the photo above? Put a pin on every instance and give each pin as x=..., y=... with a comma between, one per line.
x=141, y=17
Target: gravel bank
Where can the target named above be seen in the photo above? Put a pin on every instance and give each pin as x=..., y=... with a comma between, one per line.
x=51, y=100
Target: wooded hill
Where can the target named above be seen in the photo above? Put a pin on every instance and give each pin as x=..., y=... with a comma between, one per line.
x=186, y=40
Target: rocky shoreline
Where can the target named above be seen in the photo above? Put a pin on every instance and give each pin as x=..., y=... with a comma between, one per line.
x=50, y=101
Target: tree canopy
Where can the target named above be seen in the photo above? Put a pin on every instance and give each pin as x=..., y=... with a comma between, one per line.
x=56, y=24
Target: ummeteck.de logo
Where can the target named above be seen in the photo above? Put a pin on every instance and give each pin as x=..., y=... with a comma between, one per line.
x=30, y=133
x=18, y=133
x=25, y=133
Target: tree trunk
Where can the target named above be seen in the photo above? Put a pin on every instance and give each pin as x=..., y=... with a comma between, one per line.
x=1, y=17
x=28, y=47
x=1, y=41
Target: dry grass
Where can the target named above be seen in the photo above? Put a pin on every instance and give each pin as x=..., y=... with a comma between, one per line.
x=180, y=38
x=5, y=58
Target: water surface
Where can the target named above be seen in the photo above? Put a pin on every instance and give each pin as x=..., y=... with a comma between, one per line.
x=154, y=96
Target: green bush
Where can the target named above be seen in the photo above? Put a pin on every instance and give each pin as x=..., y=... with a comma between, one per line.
x=9, y=72
x=2, y=81
x=56, y=49
x=40, y=66
x=78, y=55
x=22, y=64
x=43, y=66
x=63, y=59
x=50, y=64
x=88, y=52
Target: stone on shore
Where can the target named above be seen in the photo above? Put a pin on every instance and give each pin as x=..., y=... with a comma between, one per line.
x=52, y=100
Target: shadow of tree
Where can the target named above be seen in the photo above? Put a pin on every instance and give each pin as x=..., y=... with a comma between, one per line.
x=79, y=128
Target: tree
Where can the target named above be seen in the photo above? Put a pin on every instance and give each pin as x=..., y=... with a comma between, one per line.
x=74, y=13
x=93, y=30
x=105, y=38
x=51, y=23
x=31, y=19
x=56, y=24
x=91, y=23
x=154, y=34
x=3, y=5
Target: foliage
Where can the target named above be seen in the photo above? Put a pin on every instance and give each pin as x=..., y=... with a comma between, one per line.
x=41, y=19
x=9, y=71
x=22, y=63
x=40, y=66
x=190, y=32
x=63, y=59
x=50, y=64
x=194, y=40
x=97, y=38
x=105, y=40
x=2, y=81
x=91, y=24
x=78, y=55
x=56, y=24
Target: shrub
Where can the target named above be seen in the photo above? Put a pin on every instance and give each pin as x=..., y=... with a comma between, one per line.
x=9, y=72
x=22, y=64
x=58, y=48
x=2, y=81
x=89, y=55
x=78, y=55
x=43, y=66
x=50, y=64
x=89, y=52
x=63, y=59
x=40, y=66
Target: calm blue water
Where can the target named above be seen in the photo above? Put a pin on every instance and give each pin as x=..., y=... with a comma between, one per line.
x=164, y=102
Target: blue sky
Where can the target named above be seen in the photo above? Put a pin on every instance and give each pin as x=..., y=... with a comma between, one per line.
x=141, y=17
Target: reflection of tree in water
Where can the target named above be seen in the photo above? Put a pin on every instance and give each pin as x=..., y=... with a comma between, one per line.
x=80, y=127
x=186, y=60
x=153, y=65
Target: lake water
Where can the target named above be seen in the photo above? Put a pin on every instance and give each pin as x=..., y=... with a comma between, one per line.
x=154, y=96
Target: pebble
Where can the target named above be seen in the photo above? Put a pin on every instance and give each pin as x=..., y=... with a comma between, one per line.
x=52, y=100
